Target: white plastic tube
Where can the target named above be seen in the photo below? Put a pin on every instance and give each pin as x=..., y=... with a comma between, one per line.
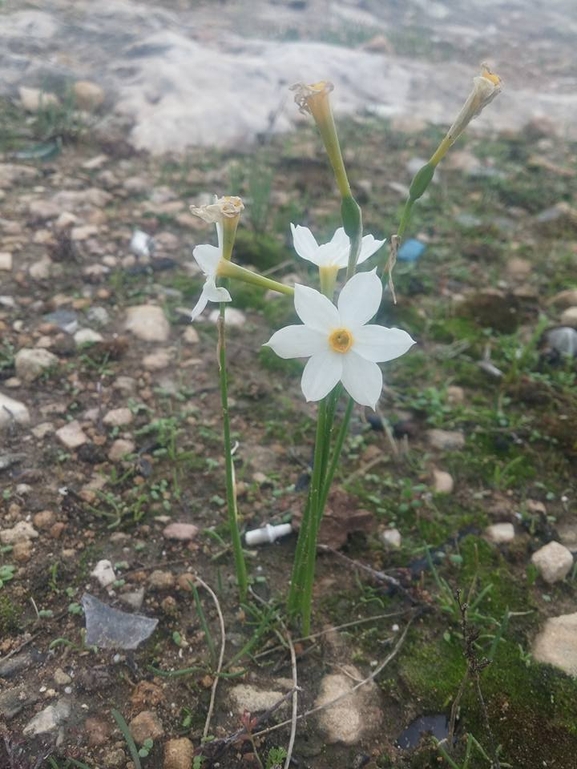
x=267, y=534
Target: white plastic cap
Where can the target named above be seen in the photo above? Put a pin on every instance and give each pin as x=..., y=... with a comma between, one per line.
x=267, y=534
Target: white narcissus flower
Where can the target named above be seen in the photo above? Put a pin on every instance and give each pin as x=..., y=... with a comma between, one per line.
x=337, y=341
x=209, y=259
x=335, y=253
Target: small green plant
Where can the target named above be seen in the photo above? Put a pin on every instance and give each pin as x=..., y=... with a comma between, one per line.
x=275, y=758
x=144, y=750
x=7, y=572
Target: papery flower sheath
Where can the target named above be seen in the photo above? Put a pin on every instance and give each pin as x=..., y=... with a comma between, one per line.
x=335, y=253
x=341, y=347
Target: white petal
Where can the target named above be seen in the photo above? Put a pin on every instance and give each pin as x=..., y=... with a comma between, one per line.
x=304, y=243
x=297, y=342
x=199, y=306
x=381, y=344
x=369, y=247
x=362, y=379
x=315, y=310
x=215, y=293
x=360, y=299
x=336, y=251
x=321, y=374
x=208, y=258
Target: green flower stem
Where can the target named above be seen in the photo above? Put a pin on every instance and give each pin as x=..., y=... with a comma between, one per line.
x=341, y=435
x=231, y=270
x=352, y=217
x=239, y=562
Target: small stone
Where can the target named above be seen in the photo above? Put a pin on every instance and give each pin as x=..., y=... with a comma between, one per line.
x=178, y=754
x=500, y=533
x=49, y=719
x=41, y=269
x=12, y=411
x=65, y=221
x=161, y=580
x=118, y=417
x=519, y=269
x=234, y=318
x=145, y=726
x=120, y=449
x=61, y=678
x=42, y=430
x=245, y=697
x=564, y=299
x=88, y=96
x=180, y=531
x=446, y=440
x=147, y=322
x=5, y=261
x=190, y=335
x=134, y=598
x=104, y=573
x=97, y=732
x=34, y=99
x=391, y=538
x=569, y=317
x=455, y=395
x=354, y=716
x=83, y=232
x=443, y=482
x=114, y=759
x=30, y=363
x=553, y=562
x=43, y=209
x=156, y=361
x=21, y=532
x=12, y=701
x=87, y=336
x=72, y=435
x=556, y=644
x=22, y=551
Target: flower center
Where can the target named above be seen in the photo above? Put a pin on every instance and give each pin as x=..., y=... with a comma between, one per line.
x=341, y=340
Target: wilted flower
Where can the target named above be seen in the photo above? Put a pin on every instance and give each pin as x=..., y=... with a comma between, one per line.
x=227, y=207
x=340, y=345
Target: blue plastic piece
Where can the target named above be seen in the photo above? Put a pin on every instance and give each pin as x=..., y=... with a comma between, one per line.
x=411, y=250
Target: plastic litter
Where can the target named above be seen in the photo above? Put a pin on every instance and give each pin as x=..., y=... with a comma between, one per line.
x=110, y=628
x=267, y=534
x=411, y=250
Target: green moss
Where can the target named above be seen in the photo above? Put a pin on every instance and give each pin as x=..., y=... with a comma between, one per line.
x=10, y=616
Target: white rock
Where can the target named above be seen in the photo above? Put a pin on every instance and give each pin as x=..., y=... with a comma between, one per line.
x=88, y=95
x=104, y=573
x=553, y=562
x=34, y=100
x=43, y=209
x=83, y=232
x=87, y=336
x=49, y=719
x=180, y=531
x=354, y=716
x=41, y=269
x=247, y=697
x=569, y=317
x=147, y=322
x=11, y=410
x=21, y=532
x=556, y=644
x=31, y=362
x=72, y=435
x=120, y=448
x=234, y=317
x=5, y=261
x=500, y=532
x=118, y=417
x=446, y=440
x=190, y=335
x=443, y=482
x=156, y=361
x=391, y=537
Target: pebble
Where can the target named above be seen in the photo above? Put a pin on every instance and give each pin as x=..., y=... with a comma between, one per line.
x=120, y=449
x=42, y=430
x=5, y=261
x=178, y=754
x=134, y=598
x=455, y=395
x=556, y=644
x=553, y=562
x=72, y=435
x=43, y=209
x=180, y=531
x=30, y=363
x=97, y=731
x=118, y=417
x=564, y=299
x=41, y=269
x=22, y=551
x=246, y=697
x=161, y=580
x=88, y=96
x=446, y=440
x=190, y=335
x=61, y=678
x=147, y=322
x=98, y=316
x=12, y=701
x=500, y=533
x=125, y=384
x=391, y=538
x=234, y=318
x=87, y=336
x=145, y=726
x=443, y=482
x=49, y=719
x=21, y=532
x=34, y=99
x=157, y=361
x=519, y=269
x=569, y=317
x=103, y=572
x=83, y=232
x=12, y=411
x=356, y=715
x=114, y=759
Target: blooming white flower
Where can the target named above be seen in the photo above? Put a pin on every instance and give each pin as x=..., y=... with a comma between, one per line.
x=341, y=347
x=209, y=260
x=335, y=253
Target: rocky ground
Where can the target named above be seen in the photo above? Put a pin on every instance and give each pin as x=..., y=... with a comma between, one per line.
x=111, y=473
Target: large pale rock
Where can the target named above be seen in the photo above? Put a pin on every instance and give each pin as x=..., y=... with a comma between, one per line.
x=553, y=562
x=147, y=322
x=355, y=715
x=556, y=644
x=12, y=410
x=30, y=363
